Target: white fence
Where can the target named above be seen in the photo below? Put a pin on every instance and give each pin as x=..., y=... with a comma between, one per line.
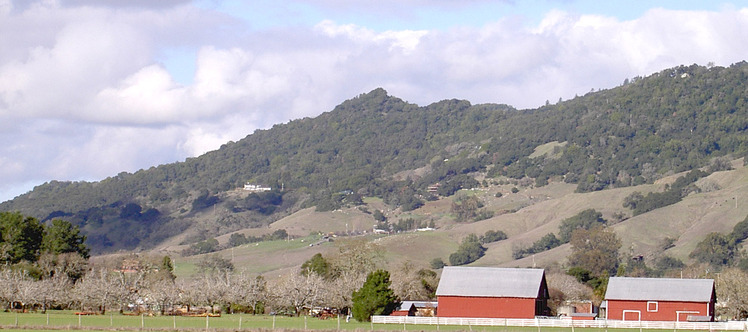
x=555, y=322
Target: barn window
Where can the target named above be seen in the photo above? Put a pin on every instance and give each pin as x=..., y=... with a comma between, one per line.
x=652, y=306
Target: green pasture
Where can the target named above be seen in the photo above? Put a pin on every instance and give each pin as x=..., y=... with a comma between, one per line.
x=57, y=320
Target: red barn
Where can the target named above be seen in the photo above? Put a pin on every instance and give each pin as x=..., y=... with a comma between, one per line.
x=487, y=292
x=660, y=299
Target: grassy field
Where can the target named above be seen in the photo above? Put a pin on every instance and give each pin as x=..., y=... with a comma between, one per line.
x=67, y=320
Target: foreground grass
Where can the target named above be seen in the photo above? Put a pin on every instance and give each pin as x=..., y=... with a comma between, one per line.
x=67, y=320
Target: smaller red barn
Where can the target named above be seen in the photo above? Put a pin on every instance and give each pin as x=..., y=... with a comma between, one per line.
x=487, y=292
x=660, y=299
x=416, y=308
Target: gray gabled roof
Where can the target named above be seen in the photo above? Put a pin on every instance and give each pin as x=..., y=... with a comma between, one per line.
x=418, y=304
x=490, y=282
x=660, y=289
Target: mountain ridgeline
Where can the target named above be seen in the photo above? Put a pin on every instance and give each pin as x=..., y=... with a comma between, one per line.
x=378, y=145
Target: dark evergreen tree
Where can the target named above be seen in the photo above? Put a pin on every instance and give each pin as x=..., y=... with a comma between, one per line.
x=63, y=237
x=375, y=297
x=20, y=238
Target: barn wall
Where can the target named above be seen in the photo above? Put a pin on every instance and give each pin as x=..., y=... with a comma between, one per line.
x=665, y=311
x=485, y=307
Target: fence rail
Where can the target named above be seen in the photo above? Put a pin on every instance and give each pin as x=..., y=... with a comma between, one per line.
x=567, y=323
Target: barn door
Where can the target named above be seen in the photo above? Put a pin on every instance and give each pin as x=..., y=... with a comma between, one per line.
x=632, y=315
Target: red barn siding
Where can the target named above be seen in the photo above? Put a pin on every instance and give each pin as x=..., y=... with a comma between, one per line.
x=665, y=310
x=486, y=307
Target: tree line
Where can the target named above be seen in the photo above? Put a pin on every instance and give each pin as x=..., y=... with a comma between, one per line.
x=26, y=240
x=350, y=280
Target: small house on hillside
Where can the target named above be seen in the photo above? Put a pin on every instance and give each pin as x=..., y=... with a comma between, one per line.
x=487, y=292
x=660, y=299
x=256, y=188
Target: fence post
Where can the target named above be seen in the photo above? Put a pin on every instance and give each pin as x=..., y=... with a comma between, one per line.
x=79, y=320
x=240, y=322
x=111, y=319
x=273, y=322
x=174, y=321
x=207, y=321
x=338, y=322
x=304, y=323
x=142, y=320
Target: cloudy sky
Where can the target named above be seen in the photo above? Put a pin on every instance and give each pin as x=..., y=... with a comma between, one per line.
x=91, y=88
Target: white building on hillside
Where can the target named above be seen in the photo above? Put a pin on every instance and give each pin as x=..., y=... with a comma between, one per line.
x=256, y=188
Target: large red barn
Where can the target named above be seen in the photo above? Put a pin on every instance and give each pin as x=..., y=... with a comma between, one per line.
x=487, y=292
x=660, y=299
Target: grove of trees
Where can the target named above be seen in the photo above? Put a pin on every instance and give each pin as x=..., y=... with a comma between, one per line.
x=586, y=219
x=469, y=251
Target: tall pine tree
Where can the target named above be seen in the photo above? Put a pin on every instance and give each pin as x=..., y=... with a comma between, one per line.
x=375, y=297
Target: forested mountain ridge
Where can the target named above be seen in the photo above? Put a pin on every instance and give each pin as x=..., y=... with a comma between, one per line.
x=671, y=121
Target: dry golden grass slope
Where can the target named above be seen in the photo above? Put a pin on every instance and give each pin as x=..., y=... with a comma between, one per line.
x=525, y=216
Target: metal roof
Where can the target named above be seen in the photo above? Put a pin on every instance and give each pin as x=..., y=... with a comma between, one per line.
x=490, y=282
x=660, y=289
x=405, y=305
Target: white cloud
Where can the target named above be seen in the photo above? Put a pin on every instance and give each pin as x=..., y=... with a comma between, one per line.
x=147, y=97
x=406, y=40
x=83, y=94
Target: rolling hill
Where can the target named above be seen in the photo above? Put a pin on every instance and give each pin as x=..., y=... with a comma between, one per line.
x=376, y=152
x=543, y=210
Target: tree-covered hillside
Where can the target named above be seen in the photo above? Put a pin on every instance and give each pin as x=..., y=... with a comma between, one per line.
x=372, y=145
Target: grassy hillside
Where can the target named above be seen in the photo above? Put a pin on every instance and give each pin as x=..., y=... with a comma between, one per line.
x=538, y=211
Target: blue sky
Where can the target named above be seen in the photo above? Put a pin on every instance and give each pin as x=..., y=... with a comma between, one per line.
x=92, y=88
x=261, y=15
x=391, y=15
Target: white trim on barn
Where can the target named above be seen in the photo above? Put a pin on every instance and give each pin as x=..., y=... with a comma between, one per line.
x=638, y=312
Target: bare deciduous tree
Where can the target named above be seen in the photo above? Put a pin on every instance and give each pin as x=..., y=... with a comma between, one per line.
x=338, y=292
x=100, y=289
x=13, y=286
x=357, y=256
x=732, y=289
x=413, y=283
x=54, y=290
x=161, y=294
x=297, y=291
x=570, y=286
x=247, y=290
